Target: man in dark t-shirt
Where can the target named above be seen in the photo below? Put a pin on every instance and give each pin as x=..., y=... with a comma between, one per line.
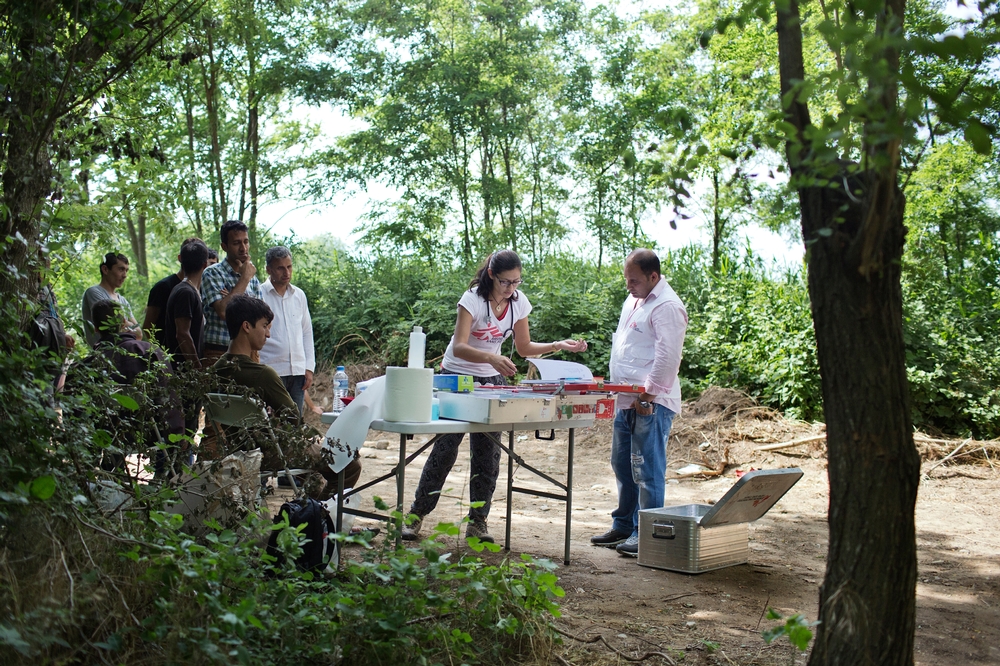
x=155, y=320
x=184, y=320
x=185, y=323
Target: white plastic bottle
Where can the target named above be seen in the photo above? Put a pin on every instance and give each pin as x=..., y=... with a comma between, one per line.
x=340, y=384
x=418, y=343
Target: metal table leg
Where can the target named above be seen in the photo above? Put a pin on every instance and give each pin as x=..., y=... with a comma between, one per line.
x=339, y=526
x=510, y=489
x=569, y=494
x=400, y=488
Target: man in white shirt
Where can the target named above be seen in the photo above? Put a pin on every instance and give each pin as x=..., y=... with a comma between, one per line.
x=289, y=350
x=645, y=351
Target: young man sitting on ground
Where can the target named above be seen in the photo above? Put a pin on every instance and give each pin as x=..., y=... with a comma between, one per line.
x=249, y=321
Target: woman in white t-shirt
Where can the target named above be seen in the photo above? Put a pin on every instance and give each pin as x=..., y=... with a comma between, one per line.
x=489, y=312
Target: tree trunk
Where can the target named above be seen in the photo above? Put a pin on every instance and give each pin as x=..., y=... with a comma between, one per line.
x=717, y=223
x=253, y=140
x=193, y=163
x=867, y=601
x=601, y=226
x=463, y=194
x=137, y=240
x=855, y=240
x=211, y=83
x=507, y=151
x=26, y=182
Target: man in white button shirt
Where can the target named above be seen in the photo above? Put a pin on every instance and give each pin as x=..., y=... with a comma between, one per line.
x=645, y=351
x=289, y=350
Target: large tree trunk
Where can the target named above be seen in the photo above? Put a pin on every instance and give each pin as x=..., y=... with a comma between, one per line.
x=27, y=182
x=854, y=233
x=868, y=598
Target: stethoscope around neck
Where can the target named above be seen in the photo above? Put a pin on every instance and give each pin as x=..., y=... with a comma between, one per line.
x=499, y=322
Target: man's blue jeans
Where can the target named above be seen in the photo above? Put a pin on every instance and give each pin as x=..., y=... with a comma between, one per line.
x=639, y=460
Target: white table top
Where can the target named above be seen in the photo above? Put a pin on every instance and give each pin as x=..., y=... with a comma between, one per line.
x=448, y=426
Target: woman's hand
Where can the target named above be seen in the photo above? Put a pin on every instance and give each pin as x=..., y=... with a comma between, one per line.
x=503, y=365
x=570, y=345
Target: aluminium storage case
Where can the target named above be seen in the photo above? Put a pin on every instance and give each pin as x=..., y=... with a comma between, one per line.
x=512, y=406
x=693, y=538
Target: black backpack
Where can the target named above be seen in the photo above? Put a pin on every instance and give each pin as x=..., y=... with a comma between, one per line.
x=317, y=551
x=47, y=333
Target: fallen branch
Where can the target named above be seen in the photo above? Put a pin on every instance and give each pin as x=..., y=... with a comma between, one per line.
x=427, y=618
x=600, y=639
x=762, y=611
x=987, y=455
x=958, y=448
x=794, y=442
x=714, y=470
x=917, y=437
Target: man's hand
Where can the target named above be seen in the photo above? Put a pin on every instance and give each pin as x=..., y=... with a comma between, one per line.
x=247, y=270
x=644, y=398
x=309, y=380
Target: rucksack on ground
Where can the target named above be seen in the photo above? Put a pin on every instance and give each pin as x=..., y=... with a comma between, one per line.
x=318, y=550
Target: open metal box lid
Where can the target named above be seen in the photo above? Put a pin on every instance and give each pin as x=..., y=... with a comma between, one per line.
x=751, y=497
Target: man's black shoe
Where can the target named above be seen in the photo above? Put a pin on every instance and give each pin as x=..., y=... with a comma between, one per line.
x=629, y=547
x=609, y=539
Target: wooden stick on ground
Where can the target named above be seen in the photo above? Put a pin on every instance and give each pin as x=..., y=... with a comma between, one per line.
x=794, y=442
x=987, y=454
x=958, y=448
x=621, y=655
x=714, y=470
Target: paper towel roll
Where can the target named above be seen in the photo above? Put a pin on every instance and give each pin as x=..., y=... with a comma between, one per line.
x=408, y=393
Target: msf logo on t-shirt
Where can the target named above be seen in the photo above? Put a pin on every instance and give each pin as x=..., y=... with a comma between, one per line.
x=489, y=334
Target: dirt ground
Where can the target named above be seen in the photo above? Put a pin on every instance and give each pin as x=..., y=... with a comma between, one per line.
x=717, y=617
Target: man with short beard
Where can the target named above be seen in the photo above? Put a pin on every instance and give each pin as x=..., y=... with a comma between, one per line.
x=646, y=352
x=221, y=282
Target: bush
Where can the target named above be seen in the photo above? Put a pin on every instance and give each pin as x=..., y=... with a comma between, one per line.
x=755, y=332
x=126, y=583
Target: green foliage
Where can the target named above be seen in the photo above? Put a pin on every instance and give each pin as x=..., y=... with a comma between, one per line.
x=795, y=627
x=754, y=331
x=92, y=580
x=951, y=288
x=412, y=605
